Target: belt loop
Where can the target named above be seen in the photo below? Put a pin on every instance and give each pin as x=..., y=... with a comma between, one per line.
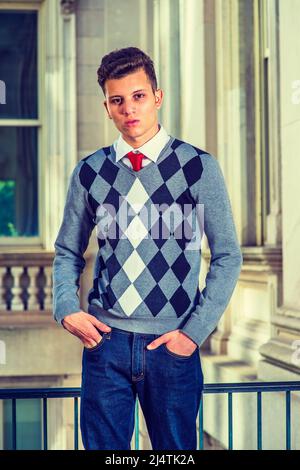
x=108, y=334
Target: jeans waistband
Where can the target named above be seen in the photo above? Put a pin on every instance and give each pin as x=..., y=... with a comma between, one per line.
x=131, y=333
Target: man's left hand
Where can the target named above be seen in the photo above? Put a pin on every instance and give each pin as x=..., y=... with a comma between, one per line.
x=177, y=342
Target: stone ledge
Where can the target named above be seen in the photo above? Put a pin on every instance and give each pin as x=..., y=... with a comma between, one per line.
x=280, y=352
x=39, y=351
x=27, y=319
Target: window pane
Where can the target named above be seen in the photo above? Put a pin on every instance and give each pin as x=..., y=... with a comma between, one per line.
x=18, y=63
x=29, y=435
x=18, y=182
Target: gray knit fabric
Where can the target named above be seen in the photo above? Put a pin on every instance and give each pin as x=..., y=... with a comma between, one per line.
x=148, y=227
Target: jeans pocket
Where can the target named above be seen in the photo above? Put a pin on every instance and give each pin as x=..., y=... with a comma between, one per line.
x=98, y=345
x=178, y=356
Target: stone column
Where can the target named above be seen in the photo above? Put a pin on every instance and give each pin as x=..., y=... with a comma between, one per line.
x=58, y=111
x=281, y=357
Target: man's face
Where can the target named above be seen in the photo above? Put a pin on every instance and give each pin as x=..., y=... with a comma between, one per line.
x=132, y=105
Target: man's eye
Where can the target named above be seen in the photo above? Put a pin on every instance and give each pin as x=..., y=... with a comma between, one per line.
x=139, y=95
x=116, y=101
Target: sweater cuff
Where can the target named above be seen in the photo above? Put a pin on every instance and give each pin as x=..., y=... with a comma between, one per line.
x=194, y=330
x=66, y=308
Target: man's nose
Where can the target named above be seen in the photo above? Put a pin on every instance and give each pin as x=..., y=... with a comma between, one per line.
x=128, y=107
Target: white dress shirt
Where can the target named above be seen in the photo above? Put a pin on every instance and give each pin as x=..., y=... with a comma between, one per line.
x=150, y=149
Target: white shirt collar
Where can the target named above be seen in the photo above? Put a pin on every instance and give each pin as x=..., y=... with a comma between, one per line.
x=150, y=149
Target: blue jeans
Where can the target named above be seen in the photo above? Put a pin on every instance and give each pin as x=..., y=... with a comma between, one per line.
x=120, y=368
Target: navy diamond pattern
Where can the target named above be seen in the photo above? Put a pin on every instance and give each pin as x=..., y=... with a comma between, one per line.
x=87, y=176
x=162, y=196
x=113, y=266
x=93, y=203
x=186, y=198
x=156, y=300
x=107, y=150
x=180, y=301
x=181, y=268
x=108, y=171
x=101, y=242
x=169, y=166
x=110, y=296
x=113, y=198
x=192, y=170
x=158, y=266
x=145, y=276
x=176, y=144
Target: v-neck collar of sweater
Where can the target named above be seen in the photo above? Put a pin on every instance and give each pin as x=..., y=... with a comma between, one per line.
x=119, y=163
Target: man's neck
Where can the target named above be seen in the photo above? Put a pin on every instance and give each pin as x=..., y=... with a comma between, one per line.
x=139, y=141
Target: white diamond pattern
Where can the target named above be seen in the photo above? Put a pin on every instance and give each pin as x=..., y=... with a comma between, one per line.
x=133, y=266
x=137, y=196
x=130, y=300
x=136, y=231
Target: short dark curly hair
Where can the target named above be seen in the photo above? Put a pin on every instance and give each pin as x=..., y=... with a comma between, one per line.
x=122, y=62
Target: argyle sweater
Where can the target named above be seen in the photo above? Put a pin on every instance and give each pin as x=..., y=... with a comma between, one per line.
x=146, y=271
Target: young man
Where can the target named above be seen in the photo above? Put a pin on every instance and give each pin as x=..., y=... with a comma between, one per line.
x=146, y=315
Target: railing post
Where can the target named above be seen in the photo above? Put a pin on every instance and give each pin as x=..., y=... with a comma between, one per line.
x=288, y=419
x=45, y=423
x=201, y=424
x=230, y=437
x=76, y=423
x=259, y=436
x=14, y=424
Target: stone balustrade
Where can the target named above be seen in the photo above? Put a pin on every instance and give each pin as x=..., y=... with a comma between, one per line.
x=25, y=284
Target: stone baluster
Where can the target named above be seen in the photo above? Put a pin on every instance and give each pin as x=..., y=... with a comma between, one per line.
x=48, y=288
x=16, y=290
x=33, y=289
x=2, y=288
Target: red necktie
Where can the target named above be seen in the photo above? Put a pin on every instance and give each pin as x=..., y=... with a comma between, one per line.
x=136, y=160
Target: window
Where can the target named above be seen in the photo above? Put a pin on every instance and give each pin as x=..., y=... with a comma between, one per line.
x=19, y=125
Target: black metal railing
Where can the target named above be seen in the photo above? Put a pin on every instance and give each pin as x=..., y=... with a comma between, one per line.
x=219, y=388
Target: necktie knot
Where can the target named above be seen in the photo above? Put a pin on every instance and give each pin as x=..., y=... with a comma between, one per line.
x=136, y=160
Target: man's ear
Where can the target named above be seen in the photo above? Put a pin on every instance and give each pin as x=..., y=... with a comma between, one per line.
x=105, y=105
x=159, y=94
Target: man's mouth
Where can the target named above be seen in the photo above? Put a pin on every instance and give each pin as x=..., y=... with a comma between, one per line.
x=132, y=123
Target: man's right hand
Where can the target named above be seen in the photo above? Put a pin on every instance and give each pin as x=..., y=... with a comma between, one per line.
x=85, y=327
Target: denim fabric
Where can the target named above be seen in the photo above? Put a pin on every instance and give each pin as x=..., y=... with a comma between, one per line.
x=117, y=371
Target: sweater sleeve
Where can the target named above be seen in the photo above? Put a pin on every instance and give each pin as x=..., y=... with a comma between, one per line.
x=70, y=245
x=226, y=255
